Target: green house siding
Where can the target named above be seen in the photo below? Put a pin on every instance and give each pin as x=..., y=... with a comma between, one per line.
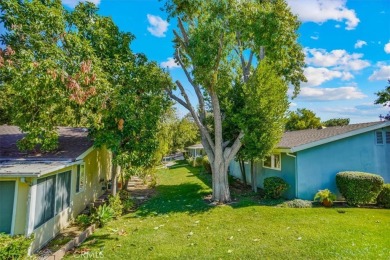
x=7, y=193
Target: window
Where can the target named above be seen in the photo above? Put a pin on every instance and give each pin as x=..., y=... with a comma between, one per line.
x=53, y=196
x=80, y=182
x=273, y=162
x=379, y=137
x=45, y=200
x=387, y=137
x=62, y=191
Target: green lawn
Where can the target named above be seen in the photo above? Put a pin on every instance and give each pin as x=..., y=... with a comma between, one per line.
x=178, y=224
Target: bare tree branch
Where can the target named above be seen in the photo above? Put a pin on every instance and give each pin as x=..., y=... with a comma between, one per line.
x=230, y=152
x=194, y=85
x=177, y=99
x=249, y=64
x=183, y=31
x=195, y=116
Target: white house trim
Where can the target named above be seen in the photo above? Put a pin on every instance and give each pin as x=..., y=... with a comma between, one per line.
x=340, y=136
x=84, y=154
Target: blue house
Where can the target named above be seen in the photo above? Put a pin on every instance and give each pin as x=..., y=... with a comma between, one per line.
x=310, y=159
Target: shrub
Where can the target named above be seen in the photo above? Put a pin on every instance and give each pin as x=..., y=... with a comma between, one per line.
x=116, y=205
x=128, y=205
x=190, y=160
x=102, y=215
x=15, y=247
x=198, y=161
x=384, y=196
x=297, y=203
x=274, y=187
x=83, y=220
x=206, y=164
x=359, y=187
x=123, y=194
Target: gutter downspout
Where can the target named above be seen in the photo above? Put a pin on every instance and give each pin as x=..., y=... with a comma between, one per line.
x=296, y=172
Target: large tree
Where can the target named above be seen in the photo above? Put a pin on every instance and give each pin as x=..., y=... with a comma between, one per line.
x=77, y=68
x=220, y=45
x=302, y=119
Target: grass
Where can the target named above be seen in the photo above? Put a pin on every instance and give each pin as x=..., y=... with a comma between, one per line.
x=178, y=224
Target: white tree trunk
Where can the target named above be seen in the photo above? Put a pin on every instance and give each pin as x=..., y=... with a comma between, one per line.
x=221, y=192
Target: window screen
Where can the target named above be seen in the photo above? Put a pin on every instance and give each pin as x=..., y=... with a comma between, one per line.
x=63, y=191
x=44, y=209
x=379, y=137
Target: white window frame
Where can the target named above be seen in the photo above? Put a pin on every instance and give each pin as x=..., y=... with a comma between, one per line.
x=80, y=178
x=273, y=166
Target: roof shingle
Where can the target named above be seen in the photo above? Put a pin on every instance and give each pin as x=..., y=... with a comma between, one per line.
x=72, y=143
x=302, y=137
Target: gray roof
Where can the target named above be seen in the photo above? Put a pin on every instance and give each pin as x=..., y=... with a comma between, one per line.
x=29, y=168
x=72, y=143
x=317, y=136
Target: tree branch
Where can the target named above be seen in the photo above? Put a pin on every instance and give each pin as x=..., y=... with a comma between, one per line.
x=194, y=115
x=229, y=153
x=183, y=31
x=195, y=86
x=177, y=99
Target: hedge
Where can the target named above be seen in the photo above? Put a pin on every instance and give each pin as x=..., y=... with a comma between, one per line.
x=384, y=196
x=359, y=187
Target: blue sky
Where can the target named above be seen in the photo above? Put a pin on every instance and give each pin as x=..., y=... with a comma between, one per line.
x=346, y=43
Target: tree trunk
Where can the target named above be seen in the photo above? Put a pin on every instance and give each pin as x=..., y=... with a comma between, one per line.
x=253, y=177
x=242, y=167
x=116, y=169
x=221, y=192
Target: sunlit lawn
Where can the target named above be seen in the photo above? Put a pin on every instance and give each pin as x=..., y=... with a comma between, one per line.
x=178, y=224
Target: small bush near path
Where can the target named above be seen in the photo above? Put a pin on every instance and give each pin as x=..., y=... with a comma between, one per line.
x=14, y=247
x=384, y=196
x=359, y=187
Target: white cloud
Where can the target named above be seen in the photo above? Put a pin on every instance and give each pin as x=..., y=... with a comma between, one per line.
x=73, y=3
x=359, y=44
x=169, y=63
x=338, y=59
x=387, y=47
x=158, y=26
x=330, y=94
x=317, y=76
x=320, y=11
x=315, y=37
x=383, y=73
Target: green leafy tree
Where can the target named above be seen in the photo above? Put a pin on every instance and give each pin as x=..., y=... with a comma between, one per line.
x=185, y=134
x=384, y=99
x=219, y=45
x=48, y=73
x=76, y=68
x=265, y=112
x=336, y=122
x=302, y=119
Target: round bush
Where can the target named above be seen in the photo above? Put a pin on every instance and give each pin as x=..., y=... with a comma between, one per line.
x=274, y=187
x=384, y=196
x=359, y=187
